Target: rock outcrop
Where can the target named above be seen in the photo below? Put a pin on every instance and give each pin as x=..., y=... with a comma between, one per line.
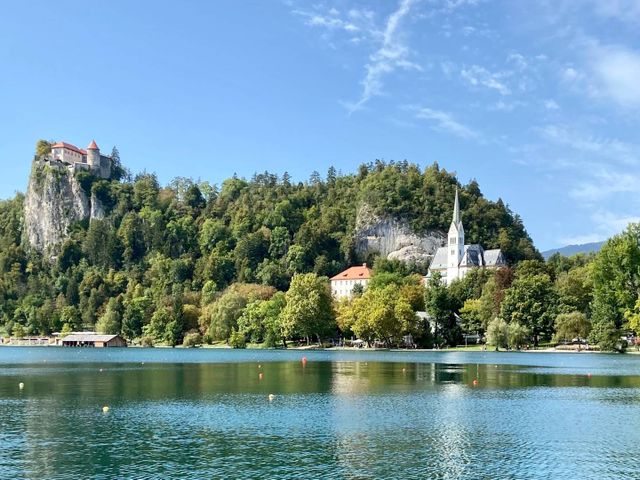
x=55, y=200
x=393, y=238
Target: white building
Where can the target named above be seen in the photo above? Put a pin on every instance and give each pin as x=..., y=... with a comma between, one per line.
x=342, y=284
x=456, y=259
x=79, y=159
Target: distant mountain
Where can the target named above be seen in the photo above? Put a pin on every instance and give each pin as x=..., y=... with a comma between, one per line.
x=574, y=249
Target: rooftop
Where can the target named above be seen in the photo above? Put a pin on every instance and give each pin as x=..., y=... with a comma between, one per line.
x=355, y=273
x=69, y=146
x=88, y=337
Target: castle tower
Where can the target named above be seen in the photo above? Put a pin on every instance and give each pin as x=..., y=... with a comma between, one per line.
x=455, y=243
x=93, y=155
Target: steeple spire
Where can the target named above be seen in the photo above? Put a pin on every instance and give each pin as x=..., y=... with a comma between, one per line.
x=456, y=209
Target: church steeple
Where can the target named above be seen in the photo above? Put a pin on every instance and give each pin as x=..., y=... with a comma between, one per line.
x=455, y=243
x=456, y=209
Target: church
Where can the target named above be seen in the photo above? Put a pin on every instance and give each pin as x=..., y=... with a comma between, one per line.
x=456, y=259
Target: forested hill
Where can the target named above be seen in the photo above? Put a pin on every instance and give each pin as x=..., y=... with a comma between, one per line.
x=197, y=238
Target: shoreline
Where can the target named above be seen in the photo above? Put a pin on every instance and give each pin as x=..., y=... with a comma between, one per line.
x=346, y=349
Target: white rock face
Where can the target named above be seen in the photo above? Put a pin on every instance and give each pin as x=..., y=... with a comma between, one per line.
x=393, y=238
x=54, y=201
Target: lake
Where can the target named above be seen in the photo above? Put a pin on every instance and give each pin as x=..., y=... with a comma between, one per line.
x=206, y=413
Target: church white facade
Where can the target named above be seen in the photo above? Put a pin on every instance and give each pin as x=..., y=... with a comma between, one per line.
x=455, y=259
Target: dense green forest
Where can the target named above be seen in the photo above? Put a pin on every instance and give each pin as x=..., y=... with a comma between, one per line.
x=248, y=261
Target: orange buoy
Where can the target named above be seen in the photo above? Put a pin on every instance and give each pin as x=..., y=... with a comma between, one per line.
x=304, y=360
x=475, y=382
x=260, y=375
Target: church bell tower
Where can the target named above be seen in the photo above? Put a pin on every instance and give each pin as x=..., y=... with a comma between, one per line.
x=455, y=243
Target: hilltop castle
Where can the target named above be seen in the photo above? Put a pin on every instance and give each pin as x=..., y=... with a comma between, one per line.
x=76, y=159
x=456, y=259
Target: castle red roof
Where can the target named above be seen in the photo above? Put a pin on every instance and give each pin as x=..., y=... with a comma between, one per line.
x=93, y=145
x=354, y=273
x=69, y=146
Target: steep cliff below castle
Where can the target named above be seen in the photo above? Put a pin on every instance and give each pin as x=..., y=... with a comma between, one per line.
x=55, y=200
x=393, y=238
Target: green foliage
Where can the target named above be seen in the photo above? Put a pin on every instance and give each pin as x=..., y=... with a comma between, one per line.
x=220, y=318
x=616, y=286
x=517, y=335
x=571, y=325
x=439, y=305
x=498, y=333
x=531, y=301
x=43, y=148
x=192, y=339
x=309, y=310
x=166, y=261
x=237, y=340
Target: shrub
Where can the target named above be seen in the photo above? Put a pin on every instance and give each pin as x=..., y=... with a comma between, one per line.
x=146, y=341
x=192, y=339
x=237, y=340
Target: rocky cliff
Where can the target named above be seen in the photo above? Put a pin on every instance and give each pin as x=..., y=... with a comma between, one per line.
x=393, y=238
x=55, y=200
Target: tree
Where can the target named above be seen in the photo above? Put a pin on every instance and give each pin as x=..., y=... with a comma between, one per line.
x=220, y=318
x=309, y=311
x=517, y=335
x=471, y=317
x=111, y=320
x=43, y=148
x=498, y=333
x=616, y=286
x=571, y=325
x=531, y=301
x=260, y=321
x=438, y=305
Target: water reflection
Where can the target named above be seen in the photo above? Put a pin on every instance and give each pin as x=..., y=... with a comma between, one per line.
x=339, y=419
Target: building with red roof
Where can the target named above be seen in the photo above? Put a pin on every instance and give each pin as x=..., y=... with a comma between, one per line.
x=78, y=159
x=342, y=284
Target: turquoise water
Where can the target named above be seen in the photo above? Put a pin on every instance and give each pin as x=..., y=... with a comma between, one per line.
x=177, y=413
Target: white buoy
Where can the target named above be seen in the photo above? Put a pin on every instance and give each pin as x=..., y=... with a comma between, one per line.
x=271, y=397
x=21, y=385
x=105, y=409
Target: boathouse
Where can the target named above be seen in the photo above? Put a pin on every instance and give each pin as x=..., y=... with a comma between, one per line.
x=93, y=340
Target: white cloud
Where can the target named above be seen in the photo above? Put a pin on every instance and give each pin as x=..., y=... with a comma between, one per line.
x=480, y=76
x=606, y=224
x=604, y=147
x=443, y=121
x=329, y=21
x=518, y=60
x=392, y=54
x=551, y=105
x=616, y=72
x=603, y=182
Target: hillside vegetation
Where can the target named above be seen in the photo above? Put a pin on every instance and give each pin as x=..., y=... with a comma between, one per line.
x=170, y=254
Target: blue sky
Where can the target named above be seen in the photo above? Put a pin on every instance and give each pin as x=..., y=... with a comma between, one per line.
x=538, y=101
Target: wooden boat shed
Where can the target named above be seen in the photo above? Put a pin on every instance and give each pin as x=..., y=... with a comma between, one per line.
x=93, y=340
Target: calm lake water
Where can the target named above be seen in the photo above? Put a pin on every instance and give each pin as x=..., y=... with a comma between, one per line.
x=177, y=413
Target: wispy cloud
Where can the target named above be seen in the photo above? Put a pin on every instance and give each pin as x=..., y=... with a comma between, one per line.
x=480, y=76
x=601, y=146
x=606, y=224
x=616, y=72
x=392, y=54
x=443, y=122
x=603, y=182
